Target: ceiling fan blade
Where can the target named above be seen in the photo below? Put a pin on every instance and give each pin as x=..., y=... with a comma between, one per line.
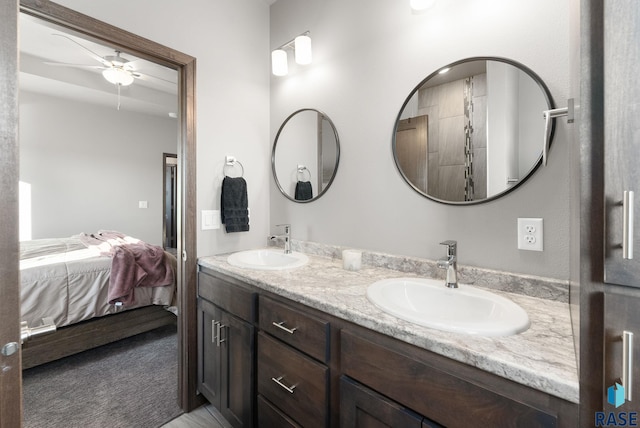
x=91, y=53
x=150, y=77
x=64, y=64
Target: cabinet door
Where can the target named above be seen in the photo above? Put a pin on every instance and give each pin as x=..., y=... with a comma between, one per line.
x=209, y=355
x=622, y=138
x=237, y=370
x=361, y=407
x=622, y=315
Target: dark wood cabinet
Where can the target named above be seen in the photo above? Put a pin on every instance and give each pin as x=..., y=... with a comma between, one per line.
x=293, y=382
x=209, y=366
x=621, y=316
x=621, y=59
x=293, y=376
x=310, y=369
x=361, y=407
x=271, y=416
x=226, y=354
x=622, y=149
x=446, y=392
x=606, y=275
x=299, y=329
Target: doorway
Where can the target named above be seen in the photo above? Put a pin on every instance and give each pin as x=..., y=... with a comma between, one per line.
x=186, y=195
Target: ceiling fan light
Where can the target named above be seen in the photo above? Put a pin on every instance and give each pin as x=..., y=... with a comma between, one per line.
x=118, y=76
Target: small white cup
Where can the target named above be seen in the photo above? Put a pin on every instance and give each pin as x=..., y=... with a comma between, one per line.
x=351, y=259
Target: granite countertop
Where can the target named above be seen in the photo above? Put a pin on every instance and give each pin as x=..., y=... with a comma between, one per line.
x=543, y=357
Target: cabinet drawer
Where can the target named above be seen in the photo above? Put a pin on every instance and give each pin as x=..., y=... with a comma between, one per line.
x=306, y=400
x=438, y=395
x=234, y=299
x=269, y=416
x=362, y=407
x=302, y=331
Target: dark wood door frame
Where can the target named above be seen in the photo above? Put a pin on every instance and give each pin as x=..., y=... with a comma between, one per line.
x=187, y=266
x=10, y=363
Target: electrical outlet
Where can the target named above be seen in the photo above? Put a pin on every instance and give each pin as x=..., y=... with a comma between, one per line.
x=530, y=233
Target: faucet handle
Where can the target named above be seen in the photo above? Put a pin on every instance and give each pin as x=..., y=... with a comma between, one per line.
x=451, y=247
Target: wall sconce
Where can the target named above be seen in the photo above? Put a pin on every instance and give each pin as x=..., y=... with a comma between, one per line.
x=420, y=6
x=302, y=49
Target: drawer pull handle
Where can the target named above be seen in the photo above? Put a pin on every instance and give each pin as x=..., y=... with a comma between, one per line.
x=282, y=327
x=289, y=389
x=627, y=364
x=220, y=339
x=214, y=331
x=627, y=225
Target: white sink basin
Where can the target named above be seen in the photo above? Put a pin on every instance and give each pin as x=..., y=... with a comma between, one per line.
x=465, y=309
x=267, y=259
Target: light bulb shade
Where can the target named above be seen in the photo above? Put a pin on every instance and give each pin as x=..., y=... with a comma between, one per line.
x=303, y=50
x=279, y=66
x=421, y=5
x=118, y=76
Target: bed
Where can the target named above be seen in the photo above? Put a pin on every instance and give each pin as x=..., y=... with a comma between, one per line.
x=95, y=288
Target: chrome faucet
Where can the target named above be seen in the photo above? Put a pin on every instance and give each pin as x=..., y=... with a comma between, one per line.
x=286, y=237
x=450, y=263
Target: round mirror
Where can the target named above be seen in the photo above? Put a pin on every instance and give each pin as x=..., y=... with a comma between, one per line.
x=305, y=155
x=472, y=131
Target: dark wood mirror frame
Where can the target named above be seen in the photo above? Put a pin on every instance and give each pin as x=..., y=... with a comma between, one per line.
x=187, y=221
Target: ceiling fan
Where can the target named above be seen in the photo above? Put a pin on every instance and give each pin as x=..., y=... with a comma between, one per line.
x=116, y=69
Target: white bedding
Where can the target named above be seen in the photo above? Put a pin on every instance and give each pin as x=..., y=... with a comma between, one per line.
x=65, y=280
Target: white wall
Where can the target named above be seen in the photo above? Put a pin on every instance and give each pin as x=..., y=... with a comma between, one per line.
x=230, y=40
x=89, y=172
x=367, y=57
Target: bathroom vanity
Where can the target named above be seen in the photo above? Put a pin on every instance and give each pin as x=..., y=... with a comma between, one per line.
x=304, y=347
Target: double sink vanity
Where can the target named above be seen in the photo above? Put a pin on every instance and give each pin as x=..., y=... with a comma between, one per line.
x=321, y=337
x=297, y=340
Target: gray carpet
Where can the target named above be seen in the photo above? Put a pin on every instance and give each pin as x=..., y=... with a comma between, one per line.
x=130, y=383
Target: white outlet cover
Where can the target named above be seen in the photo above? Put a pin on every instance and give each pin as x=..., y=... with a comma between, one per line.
x=530, y=234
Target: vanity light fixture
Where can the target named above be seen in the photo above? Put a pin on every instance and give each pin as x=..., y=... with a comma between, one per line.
x=279, y=65
x=419, y=6
x=301, y=46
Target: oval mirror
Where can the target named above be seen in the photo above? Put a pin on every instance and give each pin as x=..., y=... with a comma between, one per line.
x=472, y=131
x=305, y=155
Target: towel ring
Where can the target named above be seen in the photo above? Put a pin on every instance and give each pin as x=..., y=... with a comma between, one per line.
x=231, y=161
x=301, y=170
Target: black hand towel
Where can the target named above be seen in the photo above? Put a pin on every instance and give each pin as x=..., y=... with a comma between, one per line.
x=303, y=191
x=234, y=204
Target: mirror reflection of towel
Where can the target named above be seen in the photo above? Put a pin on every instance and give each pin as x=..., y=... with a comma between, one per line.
x=303, y=191
x=234, y=204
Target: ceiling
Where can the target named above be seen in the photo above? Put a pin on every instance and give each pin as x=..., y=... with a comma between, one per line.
x=41, y=44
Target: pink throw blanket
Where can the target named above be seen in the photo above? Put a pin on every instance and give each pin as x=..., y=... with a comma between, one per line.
x=134, y=263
